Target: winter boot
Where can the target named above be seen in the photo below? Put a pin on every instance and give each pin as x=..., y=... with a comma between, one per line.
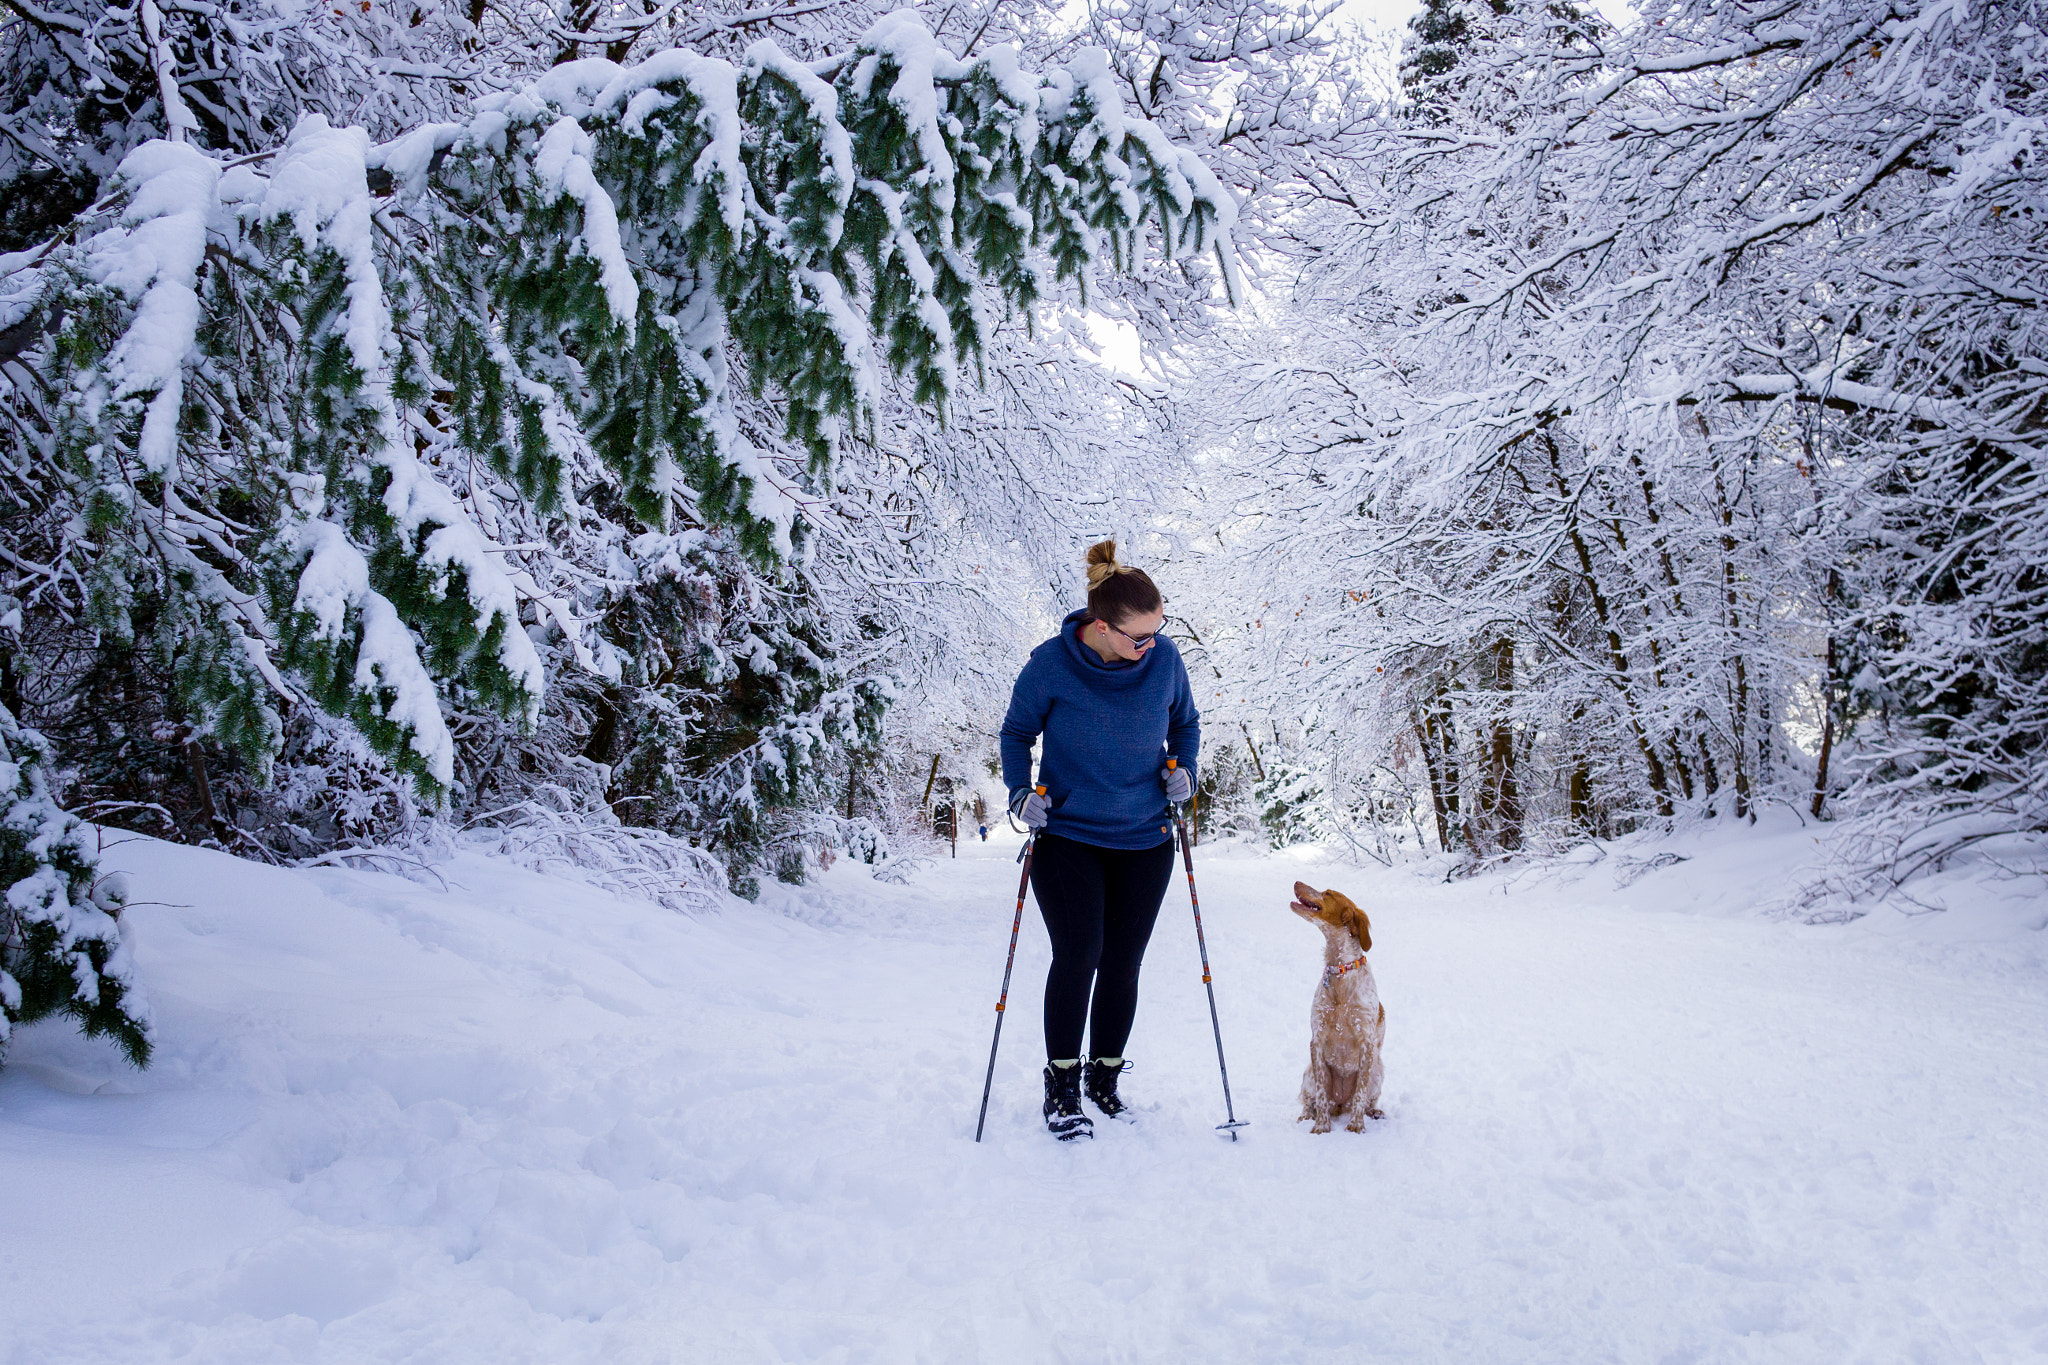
x=1063, y=1116
x=1100, y=1086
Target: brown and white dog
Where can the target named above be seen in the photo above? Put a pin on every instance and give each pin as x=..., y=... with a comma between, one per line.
x=1346, y=1021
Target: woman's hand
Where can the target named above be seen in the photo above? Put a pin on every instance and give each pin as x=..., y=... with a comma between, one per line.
x=1030, y=807
x=1180, y=784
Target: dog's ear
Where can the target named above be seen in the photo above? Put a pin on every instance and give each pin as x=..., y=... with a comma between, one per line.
x=1360, y=927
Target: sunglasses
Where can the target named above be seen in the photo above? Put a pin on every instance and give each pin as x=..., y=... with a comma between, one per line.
x=1139, y=641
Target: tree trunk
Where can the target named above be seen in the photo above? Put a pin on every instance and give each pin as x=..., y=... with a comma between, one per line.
x=1675, y=757
x=202, y=786
x=1579, y=795
x=1831, y=664
x=1827, y=725
x=1617, y=656
x=1258, y=766
x=1738, y=704
x=1500, y=800
x=1681, y=769
x=1708, y=769
x=1447, y=735
x=1440, y=757
x=1425, y=730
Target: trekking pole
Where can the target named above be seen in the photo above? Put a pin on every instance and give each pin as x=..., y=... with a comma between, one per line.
x=1002, y=1001
x=1187, y=854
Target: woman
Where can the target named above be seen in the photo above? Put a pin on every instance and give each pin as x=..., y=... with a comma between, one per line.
x=1110, y=695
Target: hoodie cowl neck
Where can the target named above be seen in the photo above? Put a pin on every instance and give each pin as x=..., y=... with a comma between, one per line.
x=1120, y=671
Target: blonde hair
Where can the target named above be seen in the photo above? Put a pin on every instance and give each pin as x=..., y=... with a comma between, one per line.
x=1117, y=592
x=1101, y=562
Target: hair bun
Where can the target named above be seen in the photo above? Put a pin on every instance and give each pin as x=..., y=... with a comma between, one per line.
x=1101, y=562
x=1117, y=592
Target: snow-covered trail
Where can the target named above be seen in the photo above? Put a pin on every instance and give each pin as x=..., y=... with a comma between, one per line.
x=519, y=1121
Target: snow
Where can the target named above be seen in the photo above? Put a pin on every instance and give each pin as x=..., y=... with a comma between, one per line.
x=715, y=84
x=1116, y=343
x=154, y=257
x=177, y=114
x=920, y=62
x=408, y=157
x=821, y=102
x=1824, y=382
x=45, y=836
x=335, y=580
x=903, y=245
x=320, y=186
x=1090, y=73
x=561, y=163
x=496, y=1116
x=21, y=284
x=1018, y=88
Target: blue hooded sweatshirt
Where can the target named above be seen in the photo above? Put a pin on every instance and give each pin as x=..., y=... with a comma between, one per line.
x=1108, y=729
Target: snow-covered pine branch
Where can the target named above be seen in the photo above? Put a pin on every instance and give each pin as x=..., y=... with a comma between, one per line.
x=61, y=950
x=572, y=288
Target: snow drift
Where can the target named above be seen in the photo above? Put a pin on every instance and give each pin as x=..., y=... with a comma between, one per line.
x=516, y=1118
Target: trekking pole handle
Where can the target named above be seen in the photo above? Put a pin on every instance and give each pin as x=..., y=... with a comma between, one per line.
x=1029, y=833
x=1011, y=816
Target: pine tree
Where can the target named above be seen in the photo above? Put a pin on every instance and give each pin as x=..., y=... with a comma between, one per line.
x=61, y=950
x=1440, y=34
x=88, y=82
x=1468, y=58
x=302, y=404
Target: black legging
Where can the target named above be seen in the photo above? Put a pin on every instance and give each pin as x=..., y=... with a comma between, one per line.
x=1099, y=905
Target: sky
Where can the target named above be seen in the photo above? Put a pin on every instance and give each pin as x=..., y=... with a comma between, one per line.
x=1386, y=13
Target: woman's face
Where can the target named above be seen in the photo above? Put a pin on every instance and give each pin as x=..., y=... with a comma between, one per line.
x=1132, y=639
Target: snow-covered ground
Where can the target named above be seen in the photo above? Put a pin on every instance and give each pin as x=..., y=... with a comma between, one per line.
x=518, y=1121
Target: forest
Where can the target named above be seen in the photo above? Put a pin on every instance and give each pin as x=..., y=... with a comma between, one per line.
x=649, y=436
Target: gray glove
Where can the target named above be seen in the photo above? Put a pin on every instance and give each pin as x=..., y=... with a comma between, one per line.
x=1180, y=784
x=1029, y=806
